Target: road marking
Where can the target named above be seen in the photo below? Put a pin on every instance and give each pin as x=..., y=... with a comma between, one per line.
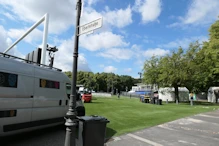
x=144, y=140
x=166, y=127
x=116, y=138
x=185, y=142
x=201, y=115
x=195, y=120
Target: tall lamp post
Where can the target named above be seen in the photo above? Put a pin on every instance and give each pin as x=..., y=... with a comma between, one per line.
x=70, y=138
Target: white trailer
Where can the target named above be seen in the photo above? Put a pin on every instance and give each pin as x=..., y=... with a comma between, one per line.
x=212, y=91
x=169, y=93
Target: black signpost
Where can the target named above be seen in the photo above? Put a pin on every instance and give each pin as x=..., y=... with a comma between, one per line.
x=70, y=139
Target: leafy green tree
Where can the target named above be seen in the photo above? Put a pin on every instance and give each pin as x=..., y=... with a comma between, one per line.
x=103, y=81
x=151, y=71
x=172, y=72
x=193, y=67
x=68, y=73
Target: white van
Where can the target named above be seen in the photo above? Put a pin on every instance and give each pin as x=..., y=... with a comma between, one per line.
x=31, y=97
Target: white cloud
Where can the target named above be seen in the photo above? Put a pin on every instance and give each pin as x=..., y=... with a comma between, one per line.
x=184, y=42
x=150, y=10
x=3, y=39
x=61, y=13
x=9, y=16
x=64, y=57
x=119, y=18
x=155, y=52
x=199, y=12
x=90, y=14
x=104, y=40
x=5, y=42
x=110, y=69
x=117, y=54
x=91, y=2
x=128, y=70
x=35, y=35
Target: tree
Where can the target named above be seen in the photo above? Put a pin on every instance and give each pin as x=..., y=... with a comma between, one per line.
x=193, y=67
x=103, y=81
x=126, y=81
x=151, y=71
x=207, y=64
x=172, y=72
x=68, y=73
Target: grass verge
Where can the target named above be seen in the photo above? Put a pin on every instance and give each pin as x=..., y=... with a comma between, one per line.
x=128, y=115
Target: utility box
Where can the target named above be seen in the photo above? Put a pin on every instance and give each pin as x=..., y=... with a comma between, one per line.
x=91, y=130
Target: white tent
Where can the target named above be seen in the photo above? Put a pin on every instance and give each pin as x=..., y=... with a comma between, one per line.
x=169, y=93
x=211, y=94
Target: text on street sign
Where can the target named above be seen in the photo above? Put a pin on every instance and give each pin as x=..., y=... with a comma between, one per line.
x=90, y=26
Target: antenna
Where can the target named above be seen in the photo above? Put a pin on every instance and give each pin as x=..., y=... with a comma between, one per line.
x=51, y=50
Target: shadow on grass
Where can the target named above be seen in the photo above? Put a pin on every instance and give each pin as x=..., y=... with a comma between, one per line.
x=95, y=102
x=204, y=103
x=109, y=133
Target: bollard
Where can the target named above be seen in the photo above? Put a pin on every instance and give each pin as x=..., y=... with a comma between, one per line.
x=177, y=101
x=167, y=101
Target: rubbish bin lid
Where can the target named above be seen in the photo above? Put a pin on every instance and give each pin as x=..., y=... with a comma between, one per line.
x=93, y=118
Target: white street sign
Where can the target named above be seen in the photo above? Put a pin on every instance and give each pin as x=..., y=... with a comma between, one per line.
x=90, y=26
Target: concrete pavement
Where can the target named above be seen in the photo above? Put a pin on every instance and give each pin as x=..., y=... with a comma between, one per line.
x=198, y=130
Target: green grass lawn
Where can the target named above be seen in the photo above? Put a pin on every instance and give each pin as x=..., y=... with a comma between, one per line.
x=127, y=115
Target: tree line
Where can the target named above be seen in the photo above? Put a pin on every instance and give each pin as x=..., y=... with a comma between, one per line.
x=104, y=82
x=195, y=67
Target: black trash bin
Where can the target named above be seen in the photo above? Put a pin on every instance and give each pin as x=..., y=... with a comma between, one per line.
x=159, y=102
x=91, y=130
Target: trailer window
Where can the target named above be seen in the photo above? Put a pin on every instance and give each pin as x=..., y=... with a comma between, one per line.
x=8, y=80
x=49, y=84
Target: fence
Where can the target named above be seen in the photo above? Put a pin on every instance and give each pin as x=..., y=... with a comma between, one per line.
x=101, y=94
x=126, y=94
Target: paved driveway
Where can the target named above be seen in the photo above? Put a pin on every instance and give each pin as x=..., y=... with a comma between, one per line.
x=198, y=130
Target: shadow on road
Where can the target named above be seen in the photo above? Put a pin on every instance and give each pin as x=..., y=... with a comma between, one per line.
x=109, y=134
x=31, y=138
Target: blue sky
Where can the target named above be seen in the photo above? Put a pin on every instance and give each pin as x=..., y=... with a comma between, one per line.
x=132, y=31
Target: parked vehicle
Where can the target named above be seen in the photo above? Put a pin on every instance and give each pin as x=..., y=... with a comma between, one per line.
x=32, y=96
x=86, y=96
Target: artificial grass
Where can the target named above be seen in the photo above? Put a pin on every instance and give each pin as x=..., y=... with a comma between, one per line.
x=128, y=115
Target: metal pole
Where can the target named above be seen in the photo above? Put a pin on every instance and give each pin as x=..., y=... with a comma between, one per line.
x=71, y=123
x=25, y=34
x=45, y=34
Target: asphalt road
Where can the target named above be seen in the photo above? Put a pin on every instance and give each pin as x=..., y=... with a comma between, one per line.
x=198, y=130
x=54, y=136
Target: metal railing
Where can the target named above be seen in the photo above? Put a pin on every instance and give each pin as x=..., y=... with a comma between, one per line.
x=27, y=61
